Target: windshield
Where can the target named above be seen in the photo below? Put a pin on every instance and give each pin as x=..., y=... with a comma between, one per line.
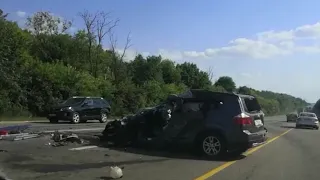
x=72, y=101
x=307, y=115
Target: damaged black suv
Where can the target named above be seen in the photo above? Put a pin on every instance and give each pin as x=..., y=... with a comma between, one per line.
x=213, y=123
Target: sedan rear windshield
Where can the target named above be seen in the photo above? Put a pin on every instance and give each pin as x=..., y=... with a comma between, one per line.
x=307, y=115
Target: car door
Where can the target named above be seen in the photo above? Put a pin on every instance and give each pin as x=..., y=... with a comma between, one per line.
x=97, y=106
x=88, y=109
x=183, y=119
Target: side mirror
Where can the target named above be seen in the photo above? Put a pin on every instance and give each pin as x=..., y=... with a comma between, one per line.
x=85, y=104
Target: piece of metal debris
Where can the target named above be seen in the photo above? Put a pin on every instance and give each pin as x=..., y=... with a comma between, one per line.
x=61, y=139
x=16, y=128
x=18, y=137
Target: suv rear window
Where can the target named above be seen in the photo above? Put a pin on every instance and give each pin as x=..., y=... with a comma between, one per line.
x=250, y=104
x=104, y=102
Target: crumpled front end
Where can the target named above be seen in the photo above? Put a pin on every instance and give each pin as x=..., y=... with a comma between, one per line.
x=137, y=128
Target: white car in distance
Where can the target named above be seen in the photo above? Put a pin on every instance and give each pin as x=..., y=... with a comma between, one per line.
x=307, y=119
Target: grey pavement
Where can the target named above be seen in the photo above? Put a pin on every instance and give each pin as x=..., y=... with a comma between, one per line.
x=294, y=155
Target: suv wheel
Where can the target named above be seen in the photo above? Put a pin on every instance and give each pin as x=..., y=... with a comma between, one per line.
x=75, y=118
x=103, y=117
x=212, y=145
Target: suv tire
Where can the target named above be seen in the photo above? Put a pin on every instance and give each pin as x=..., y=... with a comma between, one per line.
x=103, y=117
x=75, y=118
x=212, y=145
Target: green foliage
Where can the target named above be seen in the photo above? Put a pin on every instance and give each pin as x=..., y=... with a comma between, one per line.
x=227, y=83
x=274, y=103
x=193, y=77
x=43, y=67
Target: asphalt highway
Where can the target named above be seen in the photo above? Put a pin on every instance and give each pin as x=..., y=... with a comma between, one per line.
x=289, y=154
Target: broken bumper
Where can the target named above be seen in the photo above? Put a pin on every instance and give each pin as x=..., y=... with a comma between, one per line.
x=256, y=139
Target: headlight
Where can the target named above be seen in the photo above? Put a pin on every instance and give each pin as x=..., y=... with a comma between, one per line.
x=68, y=108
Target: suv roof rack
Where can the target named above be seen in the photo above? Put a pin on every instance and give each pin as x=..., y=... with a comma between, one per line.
x=87, y=97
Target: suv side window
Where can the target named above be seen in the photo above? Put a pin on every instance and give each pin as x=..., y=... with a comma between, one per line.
x=89, y=102
x=104, y=102
x=192, y=107
x=96, y=102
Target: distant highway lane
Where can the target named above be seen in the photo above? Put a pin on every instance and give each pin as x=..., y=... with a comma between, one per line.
x=290, y=154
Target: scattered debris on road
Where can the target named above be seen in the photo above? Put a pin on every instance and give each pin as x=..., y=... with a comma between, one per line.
x=15, y=129
x=15, y=133
x=61, y=139
x=19, y=137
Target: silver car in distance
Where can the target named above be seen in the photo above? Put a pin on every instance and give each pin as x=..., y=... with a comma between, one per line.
x=307, y=119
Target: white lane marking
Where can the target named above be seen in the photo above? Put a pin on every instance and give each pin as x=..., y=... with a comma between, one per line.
x=74, y=130
x=82, y=148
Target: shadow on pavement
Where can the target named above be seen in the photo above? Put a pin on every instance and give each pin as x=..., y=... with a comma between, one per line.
x=14, y=158
x=288, y=126
x=105, y=178
x=178, y=152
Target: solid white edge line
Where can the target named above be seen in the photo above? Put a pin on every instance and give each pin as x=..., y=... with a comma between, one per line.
x=82, y=148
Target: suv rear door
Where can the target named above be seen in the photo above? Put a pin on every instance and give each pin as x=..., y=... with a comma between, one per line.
x=97, y=107
x=105, y=104
x=252, y=108
x=88, y=110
